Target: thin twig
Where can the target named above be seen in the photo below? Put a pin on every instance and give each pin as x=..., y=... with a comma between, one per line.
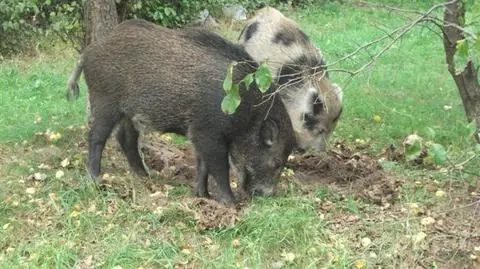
x=477, y=202
x=405, y=30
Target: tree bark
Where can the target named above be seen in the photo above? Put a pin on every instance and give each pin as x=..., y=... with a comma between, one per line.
x=101, y=19
x=467, y=79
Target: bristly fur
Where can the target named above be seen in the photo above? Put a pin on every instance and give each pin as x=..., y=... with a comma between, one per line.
x=146, y=76
x=313, y=102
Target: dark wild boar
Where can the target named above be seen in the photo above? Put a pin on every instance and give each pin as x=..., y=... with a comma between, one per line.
x=143, y=76
x=313, y=102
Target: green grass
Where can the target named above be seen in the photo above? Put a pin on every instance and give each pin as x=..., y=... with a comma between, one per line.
x=35, y=89
x=68, y=222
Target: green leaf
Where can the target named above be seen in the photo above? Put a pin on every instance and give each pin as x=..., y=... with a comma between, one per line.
x=248, y=79
x=413, y=147
x=263, y=78
x=438, y=153
x=227, y=82
x=231, y=101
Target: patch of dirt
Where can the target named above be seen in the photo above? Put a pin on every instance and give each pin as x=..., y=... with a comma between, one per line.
x=176, y=162
x=339, y=164
x=455, y=235
x=352, y=171
x=210, y=214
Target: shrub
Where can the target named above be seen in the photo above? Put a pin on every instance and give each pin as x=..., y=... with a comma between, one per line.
x=23, y=21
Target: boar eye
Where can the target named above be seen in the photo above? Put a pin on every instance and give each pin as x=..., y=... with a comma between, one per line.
x=309, y=121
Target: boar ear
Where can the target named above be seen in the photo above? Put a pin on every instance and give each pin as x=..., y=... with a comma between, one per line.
x=338, y=91
x=269, y=132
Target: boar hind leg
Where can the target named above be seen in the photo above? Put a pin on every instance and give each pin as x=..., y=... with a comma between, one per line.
x=100, y=129
x=127, y=137
x=214, y=155
x=201, y=180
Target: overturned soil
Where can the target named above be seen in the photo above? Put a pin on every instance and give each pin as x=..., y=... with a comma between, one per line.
x=349, y=171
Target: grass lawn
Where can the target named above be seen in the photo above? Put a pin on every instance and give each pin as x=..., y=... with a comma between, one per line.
x=52, y=217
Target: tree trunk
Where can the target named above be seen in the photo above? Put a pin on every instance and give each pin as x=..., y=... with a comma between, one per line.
x=101, y=19
x=102, y=16
x=467, y=79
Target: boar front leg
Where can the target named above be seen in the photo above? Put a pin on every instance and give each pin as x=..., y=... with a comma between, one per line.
x=214, y=155
x=201, y=179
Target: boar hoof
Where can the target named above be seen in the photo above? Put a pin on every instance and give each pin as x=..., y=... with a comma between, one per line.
x=202, y=193
x=228, y=201
x=141, y=172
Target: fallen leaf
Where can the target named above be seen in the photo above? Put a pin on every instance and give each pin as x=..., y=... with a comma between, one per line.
x=419, y=237
x=6, y=226
x=92, y=208
x=53, y=196
x=276, y=265
x=440, y=193
x=236, y=242
x=75, y=211
x=37, y=119
x=74, y=214
x=39, y=176
x=415, y=209
x=366, y=242
x=30, y=190
x=76, y=207
x=44, y=166
x=54, y=136
x=360, y=264
x=427, y=221
x=59, y=174
x=377, y=118
x=289, y=257
x=65, y=162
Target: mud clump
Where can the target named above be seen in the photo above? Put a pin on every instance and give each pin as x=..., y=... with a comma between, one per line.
x=351, y=171
x=171, y=161
x=210, y=214
x=340, y=164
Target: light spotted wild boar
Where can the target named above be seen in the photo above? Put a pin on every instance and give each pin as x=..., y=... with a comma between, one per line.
x=146, y=76
x=313, y=102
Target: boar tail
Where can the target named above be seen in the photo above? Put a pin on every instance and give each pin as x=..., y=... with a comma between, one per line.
x=72, y=86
